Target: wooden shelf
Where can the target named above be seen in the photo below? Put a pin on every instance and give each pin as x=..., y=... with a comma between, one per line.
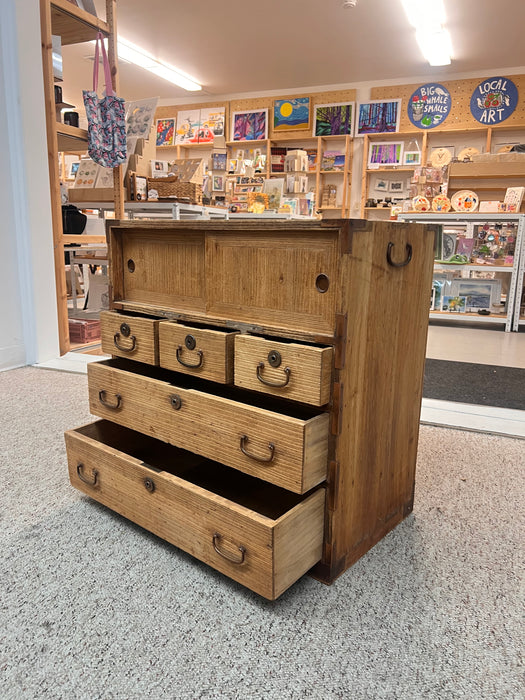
x=71, y=138
x=74, y=25
x=331, y=172
x=487, y=169
x=393, y=169
x=329, y=208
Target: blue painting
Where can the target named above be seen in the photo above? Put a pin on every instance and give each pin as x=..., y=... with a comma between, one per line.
x=494, y=100
x=429, y=106
x=291, y=115
x=378, y=117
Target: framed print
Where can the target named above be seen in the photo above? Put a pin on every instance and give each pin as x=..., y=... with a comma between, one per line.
x=378, y=117
x=218, y=183
x=73, y=169
x=397, y=186
x=291, y=115
x=250, y=126
x=188, y=122
x=385, y=153
x=412, y=158
x=479, y=293
x=165, y=132
x=336, y=119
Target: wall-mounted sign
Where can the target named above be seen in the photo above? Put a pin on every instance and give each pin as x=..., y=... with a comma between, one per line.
x=429, y=106
x=494, y=100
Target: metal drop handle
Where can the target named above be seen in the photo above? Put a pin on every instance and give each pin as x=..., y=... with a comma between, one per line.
x=225, y=555
x=398, y=264
x=189, y=364
x=105, y=402
x=268, y=382
x=271, y=447
x=94, y=475
x=133, y=340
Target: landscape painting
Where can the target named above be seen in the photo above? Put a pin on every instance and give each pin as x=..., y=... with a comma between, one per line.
x=291, y=115
x=250, y=126
x=378, y=117
x=334, y=119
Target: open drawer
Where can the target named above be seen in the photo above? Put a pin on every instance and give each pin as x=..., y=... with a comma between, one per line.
x=257, y=534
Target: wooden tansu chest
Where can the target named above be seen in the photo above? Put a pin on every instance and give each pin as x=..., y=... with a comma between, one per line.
x=261, y=408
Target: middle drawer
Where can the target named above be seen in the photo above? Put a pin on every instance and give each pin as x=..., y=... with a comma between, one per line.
x=287, y=447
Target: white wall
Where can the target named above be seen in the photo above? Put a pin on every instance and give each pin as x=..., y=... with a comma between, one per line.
x=28, y=316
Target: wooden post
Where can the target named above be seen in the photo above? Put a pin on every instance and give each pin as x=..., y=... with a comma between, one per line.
x=118, y=180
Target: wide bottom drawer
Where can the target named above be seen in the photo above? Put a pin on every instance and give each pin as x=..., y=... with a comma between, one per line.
x=260, y=535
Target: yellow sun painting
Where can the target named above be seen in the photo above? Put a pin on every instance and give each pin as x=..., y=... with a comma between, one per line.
x=292, y=114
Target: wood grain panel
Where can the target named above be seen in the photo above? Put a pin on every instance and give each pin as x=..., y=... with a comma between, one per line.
x=213, y=426
x=141, y=344
x=255, y=276
x=310, y=369
x=216, y=362
x=277, y=552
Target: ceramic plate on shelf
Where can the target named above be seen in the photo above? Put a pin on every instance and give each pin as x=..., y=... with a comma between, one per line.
x=441, y=203
x=468, y=153
x=464, y=200
x=420, y=204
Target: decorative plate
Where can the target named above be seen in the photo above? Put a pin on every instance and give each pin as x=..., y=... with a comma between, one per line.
x=464, y=200
x=506, y=148
x=420, y=204
x=440, y=157
x=468, y=153
x=441, y=203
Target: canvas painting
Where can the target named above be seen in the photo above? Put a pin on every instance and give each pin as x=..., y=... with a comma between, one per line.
x=188, y=122
x=165, y=132
x=291, y=115
x=212, y=119
x=334, y=119
x=250, y=126
x=383, y=153
x=378, y=117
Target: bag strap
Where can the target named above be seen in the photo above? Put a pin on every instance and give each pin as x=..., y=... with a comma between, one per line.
x=105, y=63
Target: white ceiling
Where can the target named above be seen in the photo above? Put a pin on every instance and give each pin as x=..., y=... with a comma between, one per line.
x=242, y=46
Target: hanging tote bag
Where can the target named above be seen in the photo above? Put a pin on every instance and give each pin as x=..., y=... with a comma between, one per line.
x=106, y=117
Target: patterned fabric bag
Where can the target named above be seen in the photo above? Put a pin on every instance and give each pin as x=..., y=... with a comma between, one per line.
x=106, y=117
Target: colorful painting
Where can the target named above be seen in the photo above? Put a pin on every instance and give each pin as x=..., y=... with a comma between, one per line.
x=211, y=123
x=188, y=121
x=378, y=117
x=382, y=153
x=494, y=100
x=335, y=119
x=291, y=115
x=429, y=106
x=250, y=126
x=165, y=132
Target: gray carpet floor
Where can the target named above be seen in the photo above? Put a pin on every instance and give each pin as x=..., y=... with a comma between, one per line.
x=92, y=606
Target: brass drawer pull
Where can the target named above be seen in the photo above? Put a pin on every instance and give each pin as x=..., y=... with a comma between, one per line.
x=133, y=340
x=104, y=402
x=94, y=473
x=189, y=364
x=398, y=264
x=242, y=550
x=271, y=447
x=287, y=372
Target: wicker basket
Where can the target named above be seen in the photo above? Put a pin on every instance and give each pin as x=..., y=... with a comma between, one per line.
x=172, y=188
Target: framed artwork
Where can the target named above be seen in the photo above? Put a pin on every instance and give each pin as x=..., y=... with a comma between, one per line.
x=396, y=187
x=336, y=119
x=73, y=169
x=381, y=185
x=454, y=304
x=218, y=183
x=412, y=158
x=165, y=132
x=448, y=245
x=188, y=121
x=378, y=117
x=480, y=293
x=250, y=126
x=384, y=153
x=139, y=118
x=211, y=122
x=291, y=115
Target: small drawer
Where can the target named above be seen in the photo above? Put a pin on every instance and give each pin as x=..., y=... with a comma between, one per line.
x=134, y=337
x=290, y=370
x=202, y=352
x=285, y=445
x=257, y=534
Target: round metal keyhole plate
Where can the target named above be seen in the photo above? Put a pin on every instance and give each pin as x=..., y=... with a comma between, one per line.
x=322, y=283
x=131, y=265
x=149, y=484
x=274, y=358
x=190, y=342
x=125, y=329
x=176, y=401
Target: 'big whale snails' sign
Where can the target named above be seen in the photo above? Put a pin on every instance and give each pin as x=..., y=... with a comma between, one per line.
x=429, y=106
x=494, y=100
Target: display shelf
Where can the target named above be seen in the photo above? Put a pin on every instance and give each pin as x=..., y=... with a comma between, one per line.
x=468, y=317
x=71, y=138
x=73, y=24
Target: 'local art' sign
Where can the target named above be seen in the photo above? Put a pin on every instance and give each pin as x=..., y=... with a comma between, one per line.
x=494, y=100
x=429, y=106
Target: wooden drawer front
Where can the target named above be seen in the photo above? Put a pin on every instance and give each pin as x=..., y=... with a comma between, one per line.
x=287, y=451
x=202, y=352
x=133, y=337
x=290, y=370
x=266, y=554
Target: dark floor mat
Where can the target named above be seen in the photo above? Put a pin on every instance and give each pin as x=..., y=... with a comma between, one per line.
x=485, y=385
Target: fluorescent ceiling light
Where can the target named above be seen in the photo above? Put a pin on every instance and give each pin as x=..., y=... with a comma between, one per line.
x=424, y=14
x=134, y=54
x=435, y=46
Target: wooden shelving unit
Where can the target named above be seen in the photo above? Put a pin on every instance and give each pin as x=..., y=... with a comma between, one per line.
x=74, y=26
